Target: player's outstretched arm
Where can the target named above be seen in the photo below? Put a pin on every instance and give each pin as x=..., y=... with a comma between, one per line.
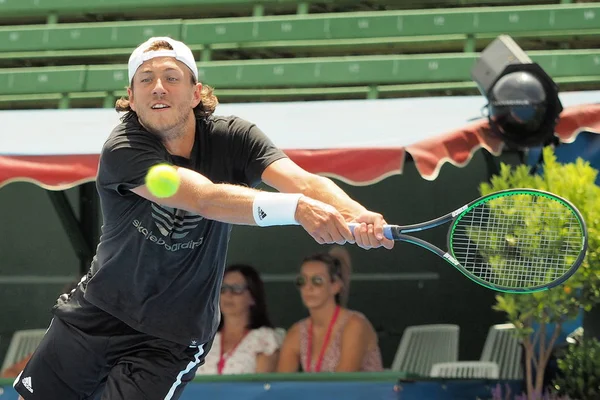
x=286, y=176
x=246, y=206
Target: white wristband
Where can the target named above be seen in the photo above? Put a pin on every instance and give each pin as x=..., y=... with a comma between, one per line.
x=271, y=209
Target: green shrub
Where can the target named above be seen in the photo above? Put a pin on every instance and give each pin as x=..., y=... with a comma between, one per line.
x=576, y=183
x=579, y=367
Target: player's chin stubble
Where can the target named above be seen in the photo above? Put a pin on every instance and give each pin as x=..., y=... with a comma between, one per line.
x=167, y=130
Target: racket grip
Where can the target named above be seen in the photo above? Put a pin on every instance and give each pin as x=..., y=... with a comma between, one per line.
x=387, y=229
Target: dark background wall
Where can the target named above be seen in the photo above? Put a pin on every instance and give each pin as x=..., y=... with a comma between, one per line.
x=33, y=243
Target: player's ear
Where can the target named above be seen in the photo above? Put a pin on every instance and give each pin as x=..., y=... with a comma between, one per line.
x=197, y=95
x=130, y=97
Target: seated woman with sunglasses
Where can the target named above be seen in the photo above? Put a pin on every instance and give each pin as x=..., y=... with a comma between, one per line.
x=246, y=342
x=333, y=338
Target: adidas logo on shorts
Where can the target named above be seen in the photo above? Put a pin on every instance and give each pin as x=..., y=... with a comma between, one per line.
x=27, y=383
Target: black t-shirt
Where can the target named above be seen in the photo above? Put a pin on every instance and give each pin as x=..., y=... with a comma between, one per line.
x=159, y=269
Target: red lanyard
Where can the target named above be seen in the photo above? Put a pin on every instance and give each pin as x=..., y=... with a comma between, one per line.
x=325, y=342
x=223, y=357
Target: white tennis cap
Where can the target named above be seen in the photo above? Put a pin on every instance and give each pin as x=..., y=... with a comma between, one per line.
x=180, y=52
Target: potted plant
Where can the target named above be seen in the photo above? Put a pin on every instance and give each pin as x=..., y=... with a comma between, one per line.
x=576, y=183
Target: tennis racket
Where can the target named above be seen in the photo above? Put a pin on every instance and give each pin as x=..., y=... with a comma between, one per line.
x=515, y=241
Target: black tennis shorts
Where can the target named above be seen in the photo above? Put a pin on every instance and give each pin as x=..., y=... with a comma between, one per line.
x=112, y=362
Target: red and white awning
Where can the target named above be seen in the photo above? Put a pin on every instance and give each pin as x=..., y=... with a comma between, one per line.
x=359, y=142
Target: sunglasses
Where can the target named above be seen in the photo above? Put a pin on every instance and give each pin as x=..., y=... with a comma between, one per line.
x=315, y=280
x=234, y=289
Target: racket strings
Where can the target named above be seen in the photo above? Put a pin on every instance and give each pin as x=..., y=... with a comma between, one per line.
x=519, y=241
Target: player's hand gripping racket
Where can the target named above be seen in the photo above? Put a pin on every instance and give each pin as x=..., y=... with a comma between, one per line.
x=517, y=240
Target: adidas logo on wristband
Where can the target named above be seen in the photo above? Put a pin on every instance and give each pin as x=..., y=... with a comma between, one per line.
x=261, y=214
x=281, y=206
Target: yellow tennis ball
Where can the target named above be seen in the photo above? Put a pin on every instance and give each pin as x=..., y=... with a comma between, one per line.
x=162, y=180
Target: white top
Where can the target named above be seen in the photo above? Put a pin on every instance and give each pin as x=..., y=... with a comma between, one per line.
x=243, y=360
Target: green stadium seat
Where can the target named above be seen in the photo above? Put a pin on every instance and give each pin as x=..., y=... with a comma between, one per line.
x=307, y=72
x=487, y=20
x=42, y=80
x=84, y=36
x=76, y=7
x=23, y=9
x=51, y=11
x=66, y=56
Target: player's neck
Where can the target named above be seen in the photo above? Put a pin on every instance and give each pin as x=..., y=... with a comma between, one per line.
x=181, y=146
x=322, y=316
x=179, y=140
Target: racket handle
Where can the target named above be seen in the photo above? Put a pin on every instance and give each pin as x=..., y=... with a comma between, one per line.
x=387, y=229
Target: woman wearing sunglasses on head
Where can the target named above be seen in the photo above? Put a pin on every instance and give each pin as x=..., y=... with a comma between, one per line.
x=246, y=342
x=333, y=338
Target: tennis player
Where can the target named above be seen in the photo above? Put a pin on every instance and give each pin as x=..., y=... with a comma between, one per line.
x=142, y=320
